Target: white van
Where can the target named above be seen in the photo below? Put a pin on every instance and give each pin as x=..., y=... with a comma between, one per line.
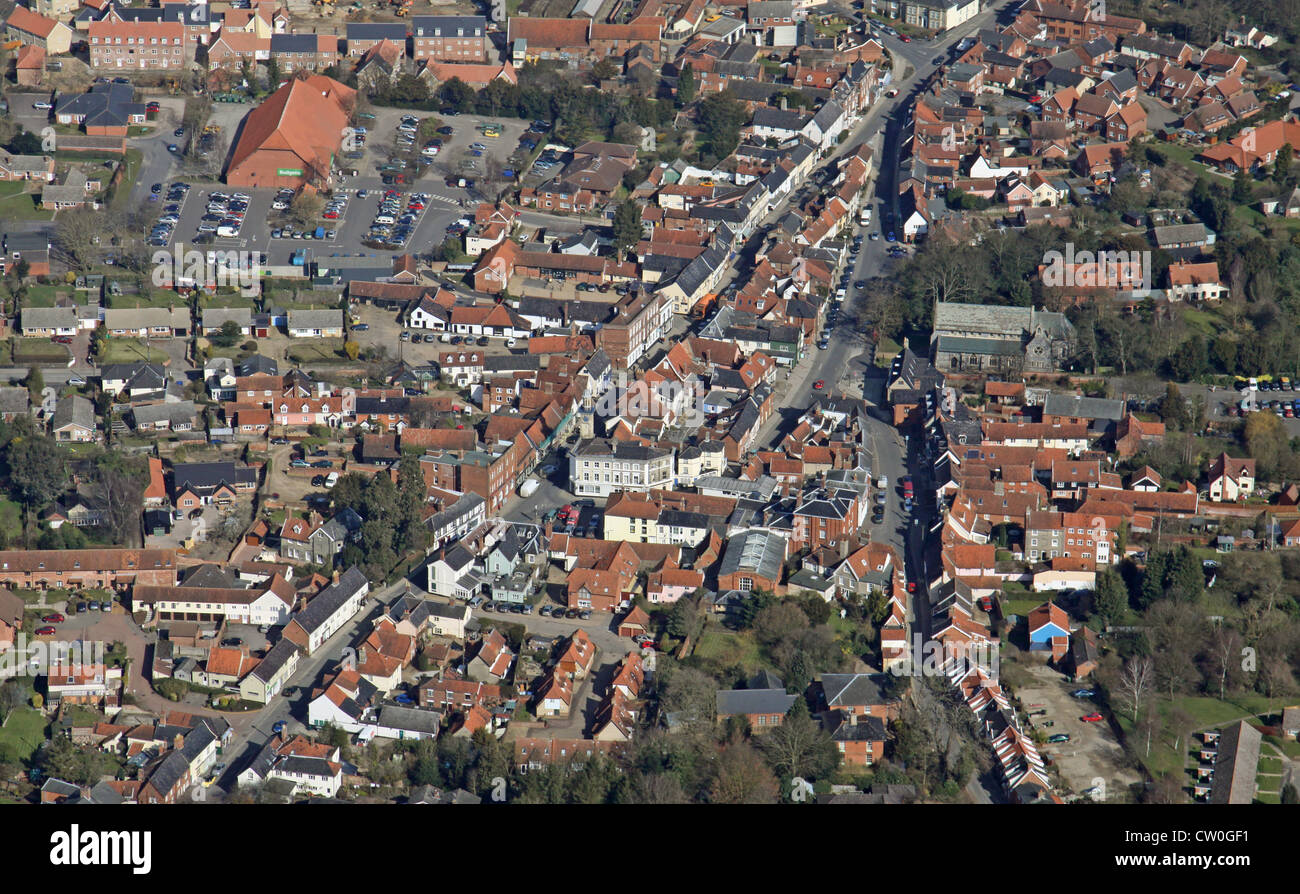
x=385, y=219
x=227, y=232
x=332, y=479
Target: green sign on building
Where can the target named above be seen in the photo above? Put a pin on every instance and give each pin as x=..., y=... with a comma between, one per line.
x=289, y=172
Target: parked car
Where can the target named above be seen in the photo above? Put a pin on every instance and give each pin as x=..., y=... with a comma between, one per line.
x=1094, y=717
x=55, y=618
x=45, y=631
x=1059, y=738
x=1083, y=693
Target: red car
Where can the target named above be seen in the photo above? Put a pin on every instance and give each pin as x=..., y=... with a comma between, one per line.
x=331, y=215
x=45, y=631
x=55, y=618
x=905, y=39
x=61, y=339
x=1094, y=717
x=911, y=586
x=819, y=384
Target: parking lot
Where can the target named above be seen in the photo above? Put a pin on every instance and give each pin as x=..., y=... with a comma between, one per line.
x=465, y=152
x=1093, y=756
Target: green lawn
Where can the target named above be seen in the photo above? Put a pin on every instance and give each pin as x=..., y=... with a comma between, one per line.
x=227, y=299
x=123, y=192
x=1208, y=323
x=11, y=515
x=1288, y=747
x=727, y=648
x=1270, y=764
x=1207, y=713
x=129, y=350
x=163, y=298
x=22, y=734
x=38, y=350
x=1022, y=606
x=1174, y=152
x=18, y=205
x=317, y=350
x=39, y=295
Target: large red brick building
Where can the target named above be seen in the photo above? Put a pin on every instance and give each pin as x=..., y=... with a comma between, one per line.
x=291, y=138
x=136, y=45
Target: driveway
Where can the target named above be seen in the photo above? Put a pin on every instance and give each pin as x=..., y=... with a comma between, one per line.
x=1093, y=756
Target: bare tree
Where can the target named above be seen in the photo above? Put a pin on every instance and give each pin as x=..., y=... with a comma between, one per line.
x=1176, y=634
x=1225, y=652
x=1135, y=684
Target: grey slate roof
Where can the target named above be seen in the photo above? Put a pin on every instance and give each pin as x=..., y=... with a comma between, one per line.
x=275, y=659
x=75, y=411
x=754, y=701
x=328, y=601
x=1085, y=407
x=1236, y=765
x=413, y=719
x=843, y=690
x=376, y=31
x=49, y=318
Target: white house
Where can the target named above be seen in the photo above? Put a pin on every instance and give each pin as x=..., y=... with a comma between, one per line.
x=327, y=611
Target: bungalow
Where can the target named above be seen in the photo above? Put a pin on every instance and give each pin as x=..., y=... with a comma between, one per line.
x=147, y=322
x=73, y=420
x=315, y=323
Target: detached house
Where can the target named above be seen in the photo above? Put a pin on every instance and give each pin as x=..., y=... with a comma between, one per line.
x=1231, y=480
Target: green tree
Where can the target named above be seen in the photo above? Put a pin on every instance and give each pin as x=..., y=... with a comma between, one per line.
x=1173, y=407
x=1111, y=599
x=1243, y=187
x=228, y=335
x=24, y=143
x=720, y=117
x=627, y=227
x=272, y=73
x=1282, y=164
x=686, y=85
x=38, y=471
x=35, y=382
x=457, y=94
